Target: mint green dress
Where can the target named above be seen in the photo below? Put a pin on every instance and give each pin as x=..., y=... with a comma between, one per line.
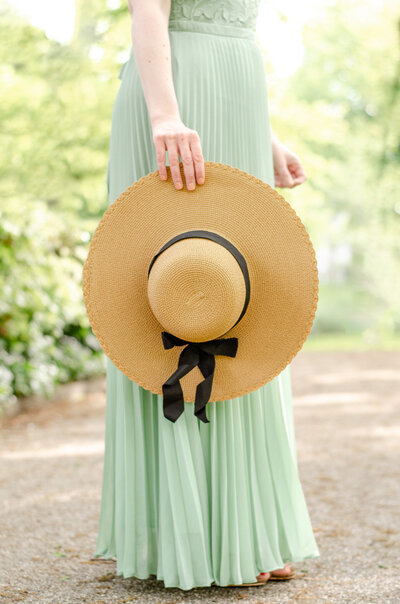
x=190, y=502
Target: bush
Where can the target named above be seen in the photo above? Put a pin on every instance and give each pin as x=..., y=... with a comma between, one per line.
x=45, y=334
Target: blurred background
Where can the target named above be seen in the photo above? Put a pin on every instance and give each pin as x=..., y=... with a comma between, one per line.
x=333, y=74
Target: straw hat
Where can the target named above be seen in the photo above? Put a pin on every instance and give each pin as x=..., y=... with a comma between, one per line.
x=174, y=278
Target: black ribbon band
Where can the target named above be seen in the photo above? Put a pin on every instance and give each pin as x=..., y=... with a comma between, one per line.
x=222, y=241
x=200, y=354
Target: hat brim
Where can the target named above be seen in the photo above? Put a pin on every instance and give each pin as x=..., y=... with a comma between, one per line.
x=260, y=223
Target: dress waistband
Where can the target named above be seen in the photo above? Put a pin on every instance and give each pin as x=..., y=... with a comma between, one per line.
x=211, y=28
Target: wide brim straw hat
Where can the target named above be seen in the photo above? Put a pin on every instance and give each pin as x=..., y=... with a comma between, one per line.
x=201, y=295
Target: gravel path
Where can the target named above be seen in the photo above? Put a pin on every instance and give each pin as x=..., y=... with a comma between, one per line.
x=347, y=417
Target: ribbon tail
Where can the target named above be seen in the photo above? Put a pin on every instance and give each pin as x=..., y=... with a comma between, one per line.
x=173, y=405
x=203, y=389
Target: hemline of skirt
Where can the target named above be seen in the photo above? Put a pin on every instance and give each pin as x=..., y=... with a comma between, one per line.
x=211, y=581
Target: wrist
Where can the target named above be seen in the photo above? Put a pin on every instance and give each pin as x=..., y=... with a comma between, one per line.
x=164, y=117
x=274, y=138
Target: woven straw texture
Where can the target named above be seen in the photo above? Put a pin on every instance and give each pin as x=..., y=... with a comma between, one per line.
x=258, y=221
x=196, y=289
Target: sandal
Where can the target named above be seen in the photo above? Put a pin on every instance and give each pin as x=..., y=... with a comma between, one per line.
x=283, y=577
x=256, y=583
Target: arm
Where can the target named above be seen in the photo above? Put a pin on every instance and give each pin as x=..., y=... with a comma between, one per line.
x=152, y=52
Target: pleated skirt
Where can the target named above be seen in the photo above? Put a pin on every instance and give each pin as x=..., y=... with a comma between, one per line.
x=189, y=502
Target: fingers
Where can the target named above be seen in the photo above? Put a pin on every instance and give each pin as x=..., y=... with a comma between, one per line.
x=192, y=159
x=160, y=147
x=173, y=157
x=288, y=171
x=283, y=178
x=187, y=160
x=198, y=159
x=181, y=143
x=297, y=172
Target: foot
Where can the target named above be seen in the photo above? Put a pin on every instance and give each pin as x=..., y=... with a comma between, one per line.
x=263, y=576
x=282, y=572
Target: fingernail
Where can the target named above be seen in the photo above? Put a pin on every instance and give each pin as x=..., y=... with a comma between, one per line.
x=191, y=186
x=201, y=181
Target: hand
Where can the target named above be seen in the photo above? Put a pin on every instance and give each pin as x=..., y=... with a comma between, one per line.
x=288, y=170
x=172, y=135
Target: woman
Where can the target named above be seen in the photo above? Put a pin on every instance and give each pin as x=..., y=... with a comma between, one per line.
x=194, y=86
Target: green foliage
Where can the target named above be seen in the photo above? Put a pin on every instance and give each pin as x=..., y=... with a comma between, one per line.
x=45, y=336
x=340, y=113
x=351, y=308
x=55, y=107
x=55, y=111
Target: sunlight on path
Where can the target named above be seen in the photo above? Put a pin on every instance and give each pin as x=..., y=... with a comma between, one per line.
x=347, y=425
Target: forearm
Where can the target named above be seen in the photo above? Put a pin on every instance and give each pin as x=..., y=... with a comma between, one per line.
x=152, y=51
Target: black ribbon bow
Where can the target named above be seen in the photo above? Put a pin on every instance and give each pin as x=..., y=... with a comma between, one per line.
x=195, y=353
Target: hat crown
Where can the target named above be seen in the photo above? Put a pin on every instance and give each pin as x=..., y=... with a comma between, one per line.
x=196, y=289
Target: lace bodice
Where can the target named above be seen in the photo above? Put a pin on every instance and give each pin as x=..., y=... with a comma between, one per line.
x=238, y=13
